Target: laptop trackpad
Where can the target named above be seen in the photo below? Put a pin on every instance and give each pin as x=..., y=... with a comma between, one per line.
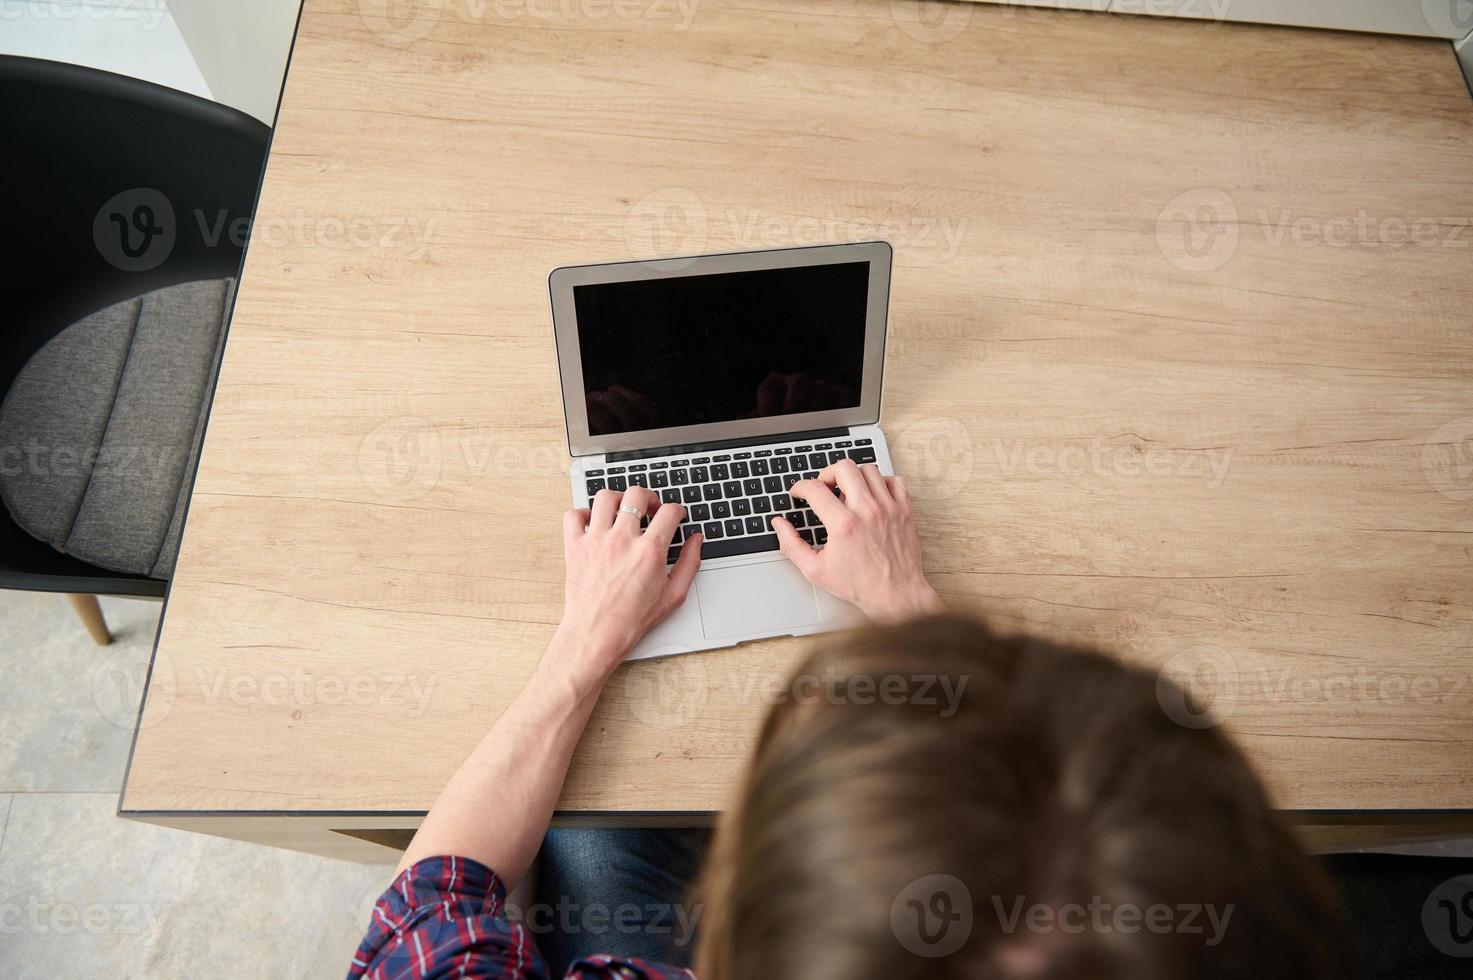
x=768, y=597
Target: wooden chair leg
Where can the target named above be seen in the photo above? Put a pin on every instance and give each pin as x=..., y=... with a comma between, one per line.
x=90, y=613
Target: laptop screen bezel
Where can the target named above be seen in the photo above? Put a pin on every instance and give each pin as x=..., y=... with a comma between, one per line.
x=562, y=281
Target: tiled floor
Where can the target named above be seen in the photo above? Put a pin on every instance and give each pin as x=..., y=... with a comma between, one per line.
x=85, y=894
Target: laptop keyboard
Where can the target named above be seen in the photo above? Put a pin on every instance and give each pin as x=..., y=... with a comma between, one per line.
x=731, y=497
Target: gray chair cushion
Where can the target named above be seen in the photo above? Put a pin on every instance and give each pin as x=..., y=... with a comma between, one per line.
x=102, y=426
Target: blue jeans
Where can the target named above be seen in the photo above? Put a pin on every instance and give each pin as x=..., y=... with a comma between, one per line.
x=625, y=892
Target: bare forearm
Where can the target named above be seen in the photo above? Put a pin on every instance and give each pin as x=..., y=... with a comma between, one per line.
x=497, y=806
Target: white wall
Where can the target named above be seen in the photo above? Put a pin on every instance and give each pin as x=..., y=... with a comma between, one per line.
x=241, y=47
x=138, y=38
x=231, y=51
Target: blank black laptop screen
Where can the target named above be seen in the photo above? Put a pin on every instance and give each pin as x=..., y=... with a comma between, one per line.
x=738, y=345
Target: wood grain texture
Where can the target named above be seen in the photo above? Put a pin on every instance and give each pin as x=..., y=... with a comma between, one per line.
x=371, y=567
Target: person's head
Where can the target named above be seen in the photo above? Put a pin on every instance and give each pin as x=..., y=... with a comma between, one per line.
x=937, y=801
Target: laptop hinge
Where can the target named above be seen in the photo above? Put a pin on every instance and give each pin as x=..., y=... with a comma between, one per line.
x=706, y=447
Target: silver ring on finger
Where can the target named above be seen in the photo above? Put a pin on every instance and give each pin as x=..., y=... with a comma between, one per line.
x=626, y=509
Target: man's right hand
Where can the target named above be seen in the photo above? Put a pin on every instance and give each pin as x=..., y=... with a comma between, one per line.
x=873, y=556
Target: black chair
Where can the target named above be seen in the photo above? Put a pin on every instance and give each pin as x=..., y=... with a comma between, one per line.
x=1409, y=915
x=114, y=188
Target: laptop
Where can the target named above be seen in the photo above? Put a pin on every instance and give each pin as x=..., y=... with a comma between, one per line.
x=719, y=381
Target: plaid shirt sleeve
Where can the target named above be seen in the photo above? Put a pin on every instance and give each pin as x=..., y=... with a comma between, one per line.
x=443, y=917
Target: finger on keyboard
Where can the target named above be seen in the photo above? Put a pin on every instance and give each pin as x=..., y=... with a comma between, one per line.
x=820, y=497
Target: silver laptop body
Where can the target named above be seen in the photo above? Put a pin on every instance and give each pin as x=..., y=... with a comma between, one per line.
x=708, y=380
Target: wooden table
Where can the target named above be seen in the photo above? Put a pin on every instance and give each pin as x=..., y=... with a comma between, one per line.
x=1180, y=362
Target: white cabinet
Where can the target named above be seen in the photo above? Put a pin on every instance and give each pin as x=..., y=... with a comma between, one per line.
x=1451, y=19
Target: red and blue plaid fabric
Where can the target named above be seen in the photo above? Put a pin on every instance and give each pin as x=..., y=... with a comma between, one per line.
x=443, y=918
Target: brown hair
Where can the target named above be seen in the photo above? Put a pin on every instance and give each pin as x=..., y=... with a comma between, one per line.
x=1047, y=784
